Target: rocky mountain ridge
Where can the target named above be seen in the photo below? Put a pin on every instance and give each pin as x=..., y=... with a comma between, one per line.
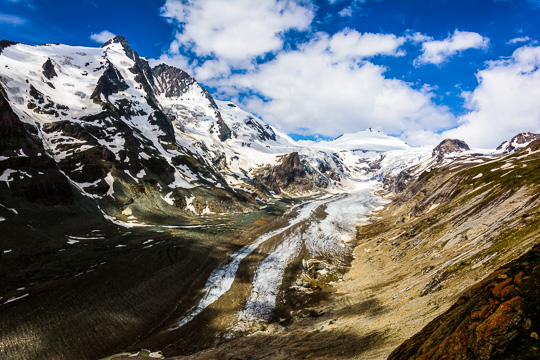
x=143, y=141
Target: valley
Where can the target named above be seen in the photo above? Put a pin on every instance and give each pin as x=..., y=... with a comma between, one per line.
x=177, y=275
x=138, y=212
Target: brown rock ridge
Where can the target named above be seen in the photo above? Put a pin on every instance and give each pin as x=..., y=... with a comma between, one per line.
x=291, y=176
x=449, y=146
x=498, y=318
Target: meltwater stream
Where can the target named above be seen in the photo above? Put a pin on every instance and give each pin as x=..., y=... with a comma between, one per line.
x=344, y=211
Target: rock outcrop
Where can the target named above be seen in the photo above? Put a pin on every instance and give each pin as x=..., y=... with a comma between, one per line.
x=290, y=176
x=449, y=146
x=518, y=142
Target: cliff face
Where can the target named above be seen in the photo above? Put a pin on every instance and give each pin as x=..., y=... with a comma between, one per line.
x=287, y=176
x=35, y=175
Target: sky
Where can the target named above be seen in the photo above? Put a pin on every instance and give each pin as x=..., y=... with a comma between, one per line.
x=420, y=70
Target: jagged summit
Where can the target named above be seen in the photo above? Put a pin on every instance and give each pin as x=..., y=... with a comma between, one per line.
x=171, y=81
x=125, y=45
x=517, y=142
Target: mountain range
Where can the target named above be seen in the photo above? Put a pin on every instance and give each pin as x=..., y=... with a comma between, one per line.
x=142, y=140
x=120, y=181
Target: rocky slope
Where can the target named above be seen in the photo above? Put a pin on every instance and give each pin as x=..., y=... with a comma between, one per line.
x=495, y=319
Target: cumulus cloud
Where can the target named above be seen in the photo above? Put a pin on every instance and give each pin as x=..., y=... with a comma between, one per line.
x=102, y=37
x=346, y=12
x=420, y=137
x=235, y=31
x=352, y=44
x=317, y=90
x=417, y=37
x=505, y=102
x=327, y=85
x=438, y=51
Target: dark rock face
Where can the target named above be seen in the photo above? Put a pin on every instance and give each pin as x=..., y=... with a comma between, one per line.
x=449, y=146
x=109, y=83
x=35, y=175
x=518, y=142
x=224, y=131
x=171, y=81
x=122, y=41
x=265, y=132
x=499, y=318
x=289, y=176
x=48, y=69
x=5, y=43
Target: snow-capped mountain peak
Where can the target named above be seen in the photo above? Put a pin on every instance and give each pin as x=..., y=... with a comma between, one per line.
x=118, y=128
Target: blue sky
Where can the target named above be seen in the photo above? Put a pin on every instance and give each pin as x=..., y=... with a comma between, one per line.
x=420, y=70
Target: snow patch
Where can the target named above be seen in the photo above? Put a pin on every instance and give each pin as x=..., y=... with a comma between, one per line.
x=110, y=181
x=16, y=298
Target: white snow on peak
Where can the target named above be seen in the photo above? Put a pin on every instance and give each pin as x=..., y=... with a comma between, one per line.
x=230, y=140
x=364, y=140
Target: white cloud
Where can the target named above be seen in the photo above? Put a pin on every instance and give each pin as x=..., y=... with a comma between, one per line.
x=519, y=40
x=235, y=31
x=315, y=90
x=417, y=37
x=418, y=137
x=352, y=44
x=11, y=20
x=102, y=37
x=346, y=12
x=326, y=86
x=505, y=102
x=437, y=51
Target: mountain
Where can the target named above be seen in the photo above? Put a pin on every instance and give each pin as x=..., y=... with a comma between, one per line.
x=517, y=142
x=137, y=211
x=150, y=143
